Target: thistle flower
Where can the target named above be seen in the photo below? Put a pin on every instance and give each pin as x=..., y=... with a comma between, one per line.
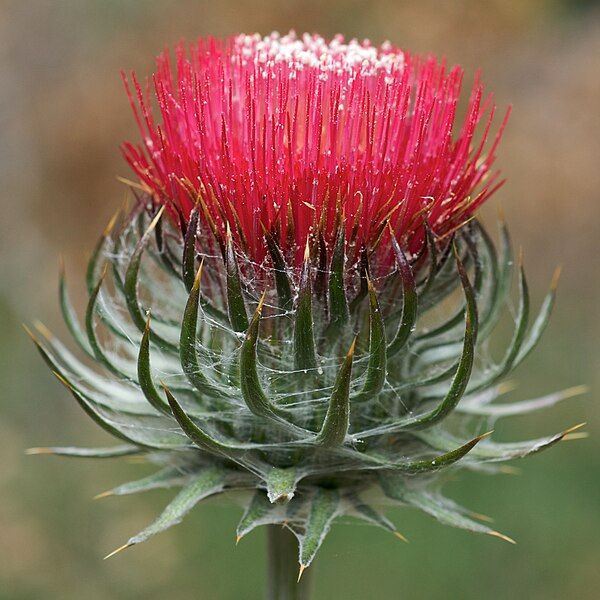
x=296, y=311
x=276, y=133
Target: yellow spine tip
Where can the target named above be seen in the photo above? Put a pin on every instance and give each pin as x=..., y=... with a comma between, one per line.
x=352, y=347
x=572, y=429
x=63, y=380
x=103, y=495
x=555, y=278
x=580, y=435
x=509, y=470
x=30, y=334
x=307, y=250
x=119, y=549
x=132, y=184
x=501, y=536
x=501, y=216
x=37, y=451
x=505, y=387
x=43, y=330
x=481, y=517
x=261, y=302
x=302, y=568
x=568, y=434
x=155, y=221
x=576, y=391
x=103, y=273
x=237, y=539
x=400, y=536
x=125, y=205
x=198, y=277
x=110, y=225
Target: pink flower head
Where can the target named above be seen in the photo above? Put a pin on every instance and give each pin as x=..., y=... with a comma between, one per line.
x=287, y=132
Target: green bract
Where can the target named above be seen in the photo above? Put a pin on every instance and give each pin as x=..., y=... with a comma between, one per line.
x=313, y=392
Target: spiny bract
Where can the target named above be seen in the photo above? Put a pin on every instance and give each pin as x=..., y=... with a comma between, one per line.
x=328, y=393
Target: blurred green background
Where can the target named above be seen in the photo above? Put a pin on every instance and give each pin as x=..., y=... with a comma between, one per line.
x=63, y=114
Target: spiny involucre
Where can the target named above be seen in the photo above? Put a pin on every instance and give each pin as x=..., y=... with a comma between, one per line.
x=294, y=310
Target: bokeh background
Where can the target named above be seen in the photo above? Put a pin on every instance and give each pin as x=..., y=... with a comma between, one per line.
x=62, y=115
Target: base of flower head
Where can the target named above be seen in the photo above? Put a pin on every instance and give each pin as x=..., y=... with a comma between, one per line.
x=312, y=391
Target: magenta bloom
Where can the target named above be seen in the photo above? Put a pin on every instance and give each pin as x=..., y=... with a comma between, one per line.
x=280, y=132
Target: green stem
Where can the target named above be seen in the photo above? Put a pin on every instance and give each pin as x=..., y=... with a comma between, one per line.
x=283, y=567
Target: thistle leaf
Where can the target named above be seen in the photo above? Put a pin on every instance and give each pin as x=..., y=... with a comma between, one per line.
x=497, y=451
x=337, y=420
x=260, y=511
x=80, y=400
x=282, y=281
x=438, y=462
x=430, y=377
x=434, y=266
x=281, y=484
x=444, y=510
x=90, y=329
x=202, y=439
x=131, y=284
x=117, y=396
x=465, y=365
x=187, y=344
x=188, y=262
x=74, y=452
x=165, y=259
x=461, y=376
x=377, y=367
x=338, y=302
x=130, y=430
x=305, y=357
x=70, y=316
x=409, y=301
x=324, y=508
x=500, y=276
x=444, y=277
x=456, y=319
x=540, y=323
x=320, y=280
x=366, y=512
x=207, y=483
x=519, y=408
x=514, y=348
x=165, y=478
x=92, y=274
x=238, y=317
x=145, y=374
x=250, y=386
x=364, y=277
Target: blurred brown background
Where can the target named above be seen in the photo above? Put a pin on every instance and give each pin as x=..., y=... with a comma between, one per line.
x=62, y=115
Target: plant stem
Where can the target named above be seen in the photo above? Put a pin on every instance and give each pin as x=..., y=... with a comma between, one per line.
x=283, y=567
